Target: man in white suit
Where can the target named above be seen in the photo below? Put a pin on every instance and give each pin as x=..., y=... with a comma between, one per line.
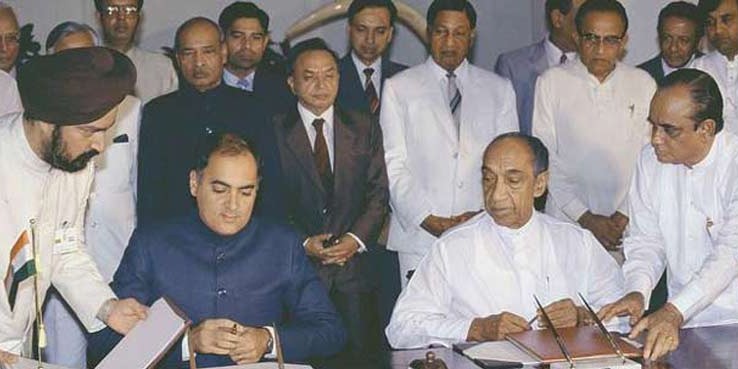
x=437, y=118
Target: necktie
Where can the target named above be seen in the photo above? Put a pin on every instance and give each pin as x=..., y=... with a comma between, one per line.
x=244, y=84
x=563, y=59
x=320, y=155
x=454, y=98
x=370, y=91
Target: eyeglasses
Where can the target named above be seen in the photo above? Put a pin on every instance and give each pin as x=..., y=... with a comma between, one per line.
x=10, y=38
x=126, y=10
x=592, y=40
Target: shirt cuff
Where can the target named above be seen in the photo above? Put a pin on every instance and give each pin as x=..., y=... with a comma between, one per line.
x=686, y=299
x=186, y=347
x=362, y=247
x=272, y=354
x=642, y=286
x=574, y=210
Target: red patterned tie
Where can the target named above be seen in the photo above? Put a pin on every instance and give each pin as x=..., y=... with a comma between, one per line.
x=371, y=91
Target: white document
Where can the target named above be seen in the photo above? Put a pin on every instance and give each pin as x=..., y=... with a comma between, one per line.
x=24, y=363
x=149, y=340
x=265, y=366
x=500, y=351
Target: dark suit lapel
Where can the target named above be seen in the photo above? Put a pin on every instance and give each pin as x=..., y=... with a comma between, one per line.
x=299, y=144
x=343, y=142
x=352, y=82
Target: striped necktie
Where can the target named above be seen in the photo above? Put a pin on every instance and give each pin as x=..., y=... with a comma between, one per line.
x=370, y=91
x=454, y=98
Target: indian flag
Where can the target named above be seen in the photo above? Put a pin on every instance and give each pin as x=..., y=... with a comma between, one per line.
x=21, y=266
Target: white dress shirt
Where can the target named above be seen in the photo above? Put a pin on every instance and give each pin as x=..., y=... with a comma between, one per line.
x=10, y=101
x=725, y=73
x=554, y=54
x=669, y=70
x=376, y=76
x=593, y=132
x=155, y=75
x=686, y=220
x=480, y=268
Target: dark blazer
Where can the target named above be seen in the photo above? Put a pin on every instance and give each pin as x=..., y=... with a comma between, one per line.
x=522, y=67
x=351, y=94
x=360, y=194
x=655, y=68
x=270, y=85
x=173, y=125
x=256, y=277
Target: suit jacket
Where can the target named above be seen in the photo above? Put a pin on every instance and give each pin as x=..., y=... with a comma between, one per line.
x=350, y=90
x=522, y=67
x=655, y=68
x=359, y=197
x=256, y=277
x=431, y=168
x=270, y=85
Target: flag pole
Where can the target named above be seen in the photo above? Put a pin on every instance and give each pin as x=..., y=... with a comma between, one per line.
x=41, y=330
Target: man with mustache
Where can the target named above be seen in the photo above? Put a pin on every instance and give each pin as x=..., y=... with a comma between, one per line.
x=591, y=115
x=246, y=30
x=9, y=39
x=721, y=28
x=71, y=100
x=120, y=20
x=684, y=207
x=437, y=118
x=203, y=105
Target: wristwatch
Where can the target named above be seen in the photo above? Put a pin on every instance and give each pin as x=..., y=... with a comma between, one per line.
x=270, y=342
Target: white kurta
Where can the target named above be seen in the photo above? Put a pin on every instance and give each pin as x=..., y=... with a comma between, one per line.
x=686, y=220
x=725, y=74
x=10, y=101
x=433, y=167
x=479, y=269
x=155, y=75
x=30, y=189
x=593, y=132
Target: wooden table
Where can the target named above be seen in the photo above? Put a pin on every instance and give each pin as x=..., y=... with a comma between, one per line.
x=700, y=348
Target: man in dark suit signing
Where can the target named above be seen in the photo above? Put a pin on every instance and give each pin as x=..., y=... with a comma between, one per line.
x=680, y=31
x=336, y=190
x=364, y=69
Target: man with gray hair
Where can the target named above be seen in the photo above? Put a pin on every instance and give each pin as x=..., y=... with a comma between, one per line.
x=9, y=39
x=110, y=217
x=477, y=280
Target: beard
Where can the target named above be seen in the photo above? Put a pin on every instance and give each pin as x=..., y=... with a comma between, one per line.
x=56, y=155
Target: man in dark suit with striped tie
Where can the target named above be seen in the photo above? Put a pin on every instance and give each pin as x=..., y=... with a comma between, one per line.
x=365, y=67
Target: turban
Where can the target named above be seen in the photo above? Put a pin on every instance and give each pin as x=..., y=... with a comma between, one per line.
x=75, y=86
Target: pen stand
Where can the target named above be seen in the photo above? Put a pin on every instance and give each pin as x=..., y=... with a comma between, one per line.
x=430, y=362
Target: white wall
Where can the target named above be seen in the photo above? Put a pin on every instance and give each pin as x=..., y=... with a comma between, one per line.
x=503, y=24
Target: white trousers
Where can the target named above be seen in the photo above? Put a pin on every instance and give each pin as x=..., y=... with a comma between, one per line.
x=66, y=341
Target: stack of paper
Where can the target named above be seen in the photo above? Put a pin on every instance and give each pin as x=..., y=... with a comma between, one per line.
x=500, y=351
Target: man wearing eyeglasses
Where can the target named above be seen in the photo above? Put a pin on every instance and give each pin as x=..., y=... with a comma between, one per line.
x=592, y=115
x=721, y=28
x=120, y=20
x=9, y=39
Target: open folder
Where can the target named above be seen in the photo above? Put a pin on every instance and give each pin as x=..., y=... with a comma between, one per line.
x=142, y=347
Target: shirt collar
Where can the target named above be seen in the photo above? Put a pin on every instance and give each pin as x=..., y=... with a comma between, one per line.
x=360, y=66
x=308, y=117
x=724, y=59
x=717, y=145
x=582, y=70
x=27, y=153
x=232, y=80
x=668, y=69
x=553, y=53
x=440, y=73
x=508, y=234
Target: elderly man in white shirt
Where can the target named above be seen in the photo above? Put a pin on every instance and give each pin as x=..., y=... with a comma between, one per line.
x=477, y=282
x=591, y=115
x=436, y=119
x=9, y=99
x=684, y=202
x=721, y=28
